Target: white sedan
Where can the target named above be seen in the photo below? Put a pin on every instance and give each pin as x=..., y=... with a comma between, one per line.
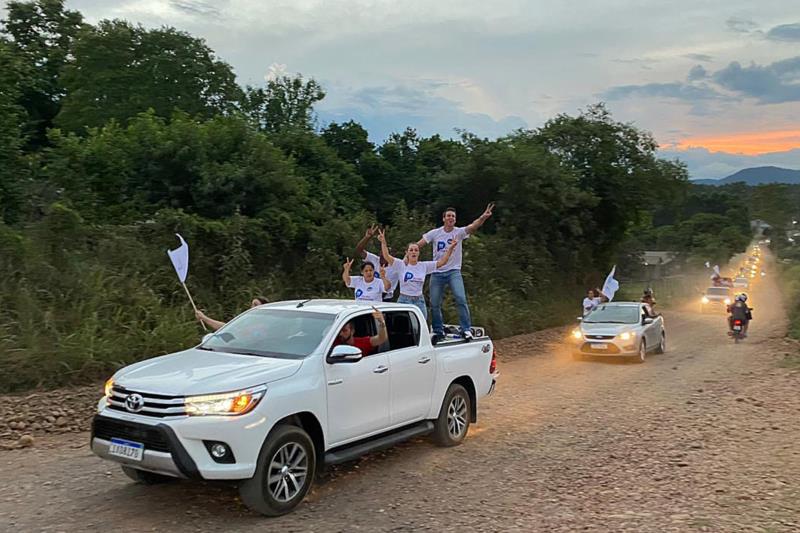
x=619, y=329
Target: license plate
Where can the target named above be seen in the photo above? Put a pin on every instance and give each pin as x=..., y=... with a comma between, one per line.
x=127, y=449
x=737, y=328
x=600, y=346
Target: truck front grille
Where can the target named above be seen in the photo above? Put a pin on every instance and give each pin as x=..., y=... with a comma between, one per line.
x=156, y=405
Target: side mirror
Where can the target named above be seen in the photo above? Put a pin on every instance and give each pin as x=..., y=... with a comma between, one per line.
x=579, y=319
x=647, y=321
x=344, y=353
x=206, y=337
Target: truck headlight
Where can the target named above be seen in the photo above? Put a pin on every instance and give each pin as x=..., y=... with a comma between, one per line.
x=225, y=404
x=626, y=336
x=705, y=300
x=108, y=388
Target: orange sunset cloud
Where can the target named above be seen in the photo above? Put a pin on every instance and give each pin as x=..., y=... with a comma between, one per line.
x=745, y=143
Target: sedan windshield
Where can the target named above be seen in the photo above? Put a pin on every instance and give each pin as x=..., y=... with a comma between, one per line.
x=271, y=333
x=614, y=314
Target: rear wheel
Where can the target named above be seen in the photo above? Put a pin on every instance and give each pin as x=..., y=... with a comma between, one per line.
x=146, y=478
x=451, y=427
x=284, y=472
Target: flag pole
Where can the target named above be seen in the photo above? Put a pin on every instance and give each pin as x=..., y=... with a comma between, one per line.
x=191, y=301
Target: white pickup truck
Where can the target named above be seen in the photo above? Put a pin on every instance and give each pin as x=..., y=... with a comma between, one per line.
x=269, y=399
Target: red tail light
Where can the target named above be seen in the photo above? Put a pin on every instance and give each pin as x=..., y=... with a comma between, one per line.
x=737, y=322
x=493, y=364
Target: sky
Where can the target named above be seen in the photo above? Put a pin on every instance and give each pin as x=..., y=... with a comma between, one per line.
x=716, y=81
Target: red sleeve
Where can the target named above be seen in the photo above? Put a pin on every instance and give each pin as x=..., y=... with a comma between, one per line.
x=363, y=344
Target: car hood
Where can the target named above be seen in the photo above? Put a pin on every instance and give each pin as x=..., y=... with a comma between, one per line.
x=196, y=371
x=606, y=329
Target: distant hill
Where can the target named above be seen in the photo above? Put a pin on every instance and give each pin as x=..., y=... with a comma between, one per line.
x=757, y=176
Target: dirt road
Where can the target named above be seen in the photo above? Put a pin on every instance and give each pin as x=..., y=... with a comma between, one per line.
x=703, y=438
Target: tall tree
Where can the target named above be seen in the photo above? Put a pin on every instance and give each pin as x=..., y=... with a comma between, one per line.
x=286, y=102
x=121, y=70
x=43, y=33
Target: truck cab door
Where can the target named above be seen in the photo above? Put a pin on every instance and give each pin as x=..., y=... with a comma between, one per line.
x=413, y=366
x=358, y=396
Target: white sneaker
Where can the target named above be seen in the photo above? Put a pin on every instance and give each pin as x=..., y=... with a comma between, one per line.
x=468, y=335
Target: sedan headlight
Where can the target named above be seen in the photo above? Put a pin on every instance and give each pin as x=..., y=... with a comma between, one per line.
x=226, y=404
x=626, y=336
x=705, y=300
x=576, y=334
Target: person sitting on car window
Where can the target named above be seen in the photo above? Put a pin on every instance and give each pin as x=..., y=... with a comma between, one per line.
x=649, y=301
x=216, y=324
x=367, y=345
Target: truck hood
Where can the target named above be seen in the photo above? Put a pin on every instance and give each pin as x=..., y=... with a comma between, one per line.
x=607, y=329
x=196, y=371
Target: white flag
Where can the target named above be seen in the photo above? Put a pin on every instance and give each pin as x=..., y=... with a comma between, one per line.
x=611, y=285
x=708, y=265
x=180, y=259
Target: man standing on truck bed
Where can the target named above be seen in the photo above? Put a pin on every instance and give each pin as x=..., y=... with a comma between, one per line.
x=449, y=275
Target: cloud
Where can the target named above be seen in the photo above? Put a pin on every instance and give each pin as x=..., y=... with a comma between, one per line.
x=383, y=110
x=785, y=32
x=678, y=90
x=697, y=73
x=699, y=57
x=740, y=25
x=196, y=7
x=770, y=84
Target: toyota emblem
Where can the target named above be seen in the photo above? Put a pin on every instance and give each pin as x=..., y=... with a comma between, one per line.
x=134, y=403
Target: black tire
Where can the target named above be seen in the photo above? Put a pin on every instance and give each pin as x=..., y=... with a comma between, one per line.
x=452, y=426
x=147, y=478
x=642, y=355
x=282, y=445
x=662, y=346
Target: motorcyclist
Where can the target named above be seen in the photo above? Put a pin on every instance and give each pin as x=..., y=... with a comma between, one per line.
x=739, y=310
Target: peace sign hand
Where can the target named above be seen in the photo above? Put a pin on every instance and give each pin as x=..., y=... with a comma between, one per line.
x=371, y=231
x=347, y=264
x=488, y=212
x=382, y=236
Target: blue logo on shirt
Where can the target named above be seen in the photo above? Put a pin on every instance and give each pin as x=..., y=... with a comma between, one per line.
x=440, y=245
x=408, y=276
x=359, y=293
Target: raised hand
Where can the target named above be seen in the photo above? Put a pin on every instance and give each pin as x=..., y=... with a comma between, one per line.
x=488, y=211
x=382, y=236
x=371, y=231
x=347, y=265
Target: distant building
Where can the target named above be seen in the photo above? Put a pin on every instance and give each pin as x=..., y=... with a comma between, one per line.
x=658, y=264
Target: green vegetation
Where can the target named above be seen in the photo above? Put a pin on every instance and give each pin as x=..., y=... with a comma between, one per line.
x=114, y=137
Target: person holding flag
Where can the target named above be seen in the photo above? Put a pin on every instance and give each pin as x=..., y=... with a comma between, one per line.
x=216, y=324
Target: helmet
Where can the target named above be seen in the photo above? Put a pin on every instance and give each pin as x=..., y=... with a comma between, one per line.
x=741, y=297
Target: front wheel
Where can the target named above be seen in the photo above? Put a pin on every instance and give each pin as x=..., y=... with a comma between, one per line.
x=284, y=472
x=642, y=355
x=451, y=427
x=662, y=346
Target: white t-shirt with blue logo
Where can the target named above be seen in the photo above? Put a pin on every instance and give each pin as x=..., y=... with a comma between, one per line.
x=440, y=239
x=412, y=277
x=394, y=279
x=372, y=292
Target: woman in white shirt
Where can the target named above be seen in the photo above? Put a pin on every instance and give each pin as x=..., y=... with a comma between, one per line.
x=366, y=286
x=412, y=272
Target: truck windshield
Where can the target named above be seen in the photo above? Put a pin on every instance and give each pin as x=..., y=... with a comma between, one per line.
x=272, y=333
x=614, y=314
x=718, y=291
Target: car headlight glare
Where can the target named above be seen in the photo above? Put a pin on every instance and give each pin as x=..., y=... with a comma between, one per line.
x=705, y=300
x=576, y=334
x=727, y=301
x=626, y=336
x=226, y=404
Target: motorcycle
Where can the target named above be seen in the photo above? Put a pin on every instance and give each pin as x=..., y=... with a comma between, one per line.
x=737, y=330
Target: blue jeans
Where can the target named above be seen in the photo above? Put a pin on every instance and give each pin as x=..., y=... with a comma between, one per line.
x=419, y=301
x=452, y=279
